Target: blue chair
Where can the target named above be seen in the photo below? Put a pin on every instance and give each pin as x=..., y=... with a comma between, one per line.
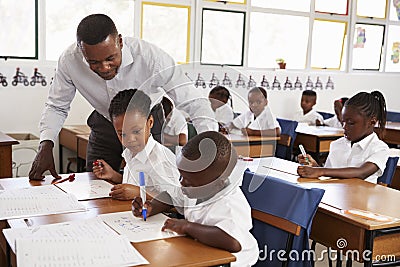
x=284, y=148
x=387, y=176
x=393, y=116
x=326, y=115
x=282, y=216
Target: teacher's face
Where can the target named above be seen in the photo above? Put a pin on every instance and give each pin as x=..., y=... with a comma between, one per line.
x=104, y=58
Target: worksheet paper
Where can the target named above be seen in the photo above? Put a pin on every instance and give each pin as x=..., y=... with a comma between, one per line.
x=136, y=229
x=90, y=228
x=36, y=201
x=83, y=252
x=84, y=190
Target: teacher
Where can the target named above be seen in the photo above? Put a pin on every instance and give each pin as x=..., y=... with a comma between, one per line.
x=99, y=65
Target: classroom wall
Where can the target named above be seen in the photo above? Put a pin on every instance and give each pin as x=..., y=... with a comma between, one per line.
x=21, y=106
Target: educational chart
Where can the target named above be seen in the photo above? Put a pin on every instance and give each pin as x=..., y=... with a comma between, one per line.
x=84, y=190
x=83, y=252
x=36, y=201
x=135, y=228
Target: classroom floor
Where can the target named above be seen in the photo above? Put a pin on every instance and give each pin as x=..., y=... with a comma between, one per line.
x=324, y=262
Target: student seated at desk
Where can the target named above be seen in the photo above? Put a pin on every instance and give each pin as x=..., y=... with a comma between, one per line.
x=130, y=114
x=335, y=121
x=216, y=211
x=259, y=120
x=175, y=130
x=307, y=114
x=219, y=97
x=360, y=153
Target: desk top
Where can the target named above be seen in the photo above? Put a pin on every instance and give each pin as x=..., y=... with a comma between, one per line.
x=6, y=140
x=391, y=125
x=77, y=129
x=241, y=138
x=177, y=251
x=319, y=130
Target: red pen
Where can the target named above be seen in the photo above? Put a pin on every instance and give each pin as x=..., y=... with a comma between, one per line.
x=69, y=178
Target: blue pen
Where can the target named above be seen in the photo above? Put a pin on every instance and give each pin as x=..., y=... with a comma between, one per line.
x=142, y=184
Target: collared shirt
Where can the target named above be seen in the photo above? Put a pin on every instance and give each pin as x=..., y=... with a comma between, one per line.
x=309, y=118
x=176, y=124
x=159, y=166
x=224, y=114
x=144, y=66
x=333, y=122
x=265, y=121
x=370, y=149
x=229, y=211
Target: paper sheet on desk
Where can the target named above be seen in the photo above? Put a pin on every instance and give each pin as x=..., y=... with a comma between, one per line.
x=84, y=190
x=94, y=227
x=83, y=252
x=135, y=228
x=36, y=201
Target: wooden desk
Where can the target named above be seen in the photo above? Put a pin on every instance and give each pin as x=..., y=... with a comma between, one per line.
x=68, y=139
x=253, y=146
x=392, y=134
x=330, y=224
x=316, y=139
x=178, y=251
x=6, y=155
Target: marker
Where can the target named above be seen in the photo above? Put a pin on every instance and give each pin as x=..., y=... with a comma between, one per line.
x=303, y=152
x=142, y=185
x=69, y=178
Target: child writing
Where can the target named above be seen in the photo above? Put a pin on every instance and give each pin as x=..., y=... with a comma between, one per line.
x=219, y=97
x=259, y=120
x=216, y=211
x=175, y=130
x=360, y=153
x=335, y=121
x=129, y=112
x=308, y=114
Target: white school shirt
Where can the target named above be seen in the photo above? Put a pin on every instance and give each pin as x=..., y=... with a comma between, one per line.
x=333, y=122
x=144, y=66
x=224, y=114
x=309, y=118
x=369, y=149
x=265, y=121
x=159, y=166
x=229, y=211
x=176, y=124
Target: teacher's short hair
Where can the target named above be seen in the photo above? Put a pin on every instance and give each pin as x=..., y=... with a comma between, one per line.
x=94, y=29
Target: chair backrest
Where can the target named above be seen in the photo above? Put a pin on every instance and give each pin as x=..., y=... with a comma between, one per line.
x=393, y=116
x=284, y=148
x=326, y=115
x=387, y=176
x=282, y=216
x=191, y=130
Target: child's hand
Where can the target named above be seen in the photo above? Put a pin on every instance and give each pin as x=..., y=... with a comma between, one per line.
x=102, y=169
x=176, y=225
x=318, y=123
x=137, y=205
x=124, y=191
x=307, y=161
x=309, y=172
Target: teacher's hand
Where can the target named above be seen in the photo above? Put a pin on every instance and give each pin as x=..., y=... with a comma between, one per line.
x=43, y=161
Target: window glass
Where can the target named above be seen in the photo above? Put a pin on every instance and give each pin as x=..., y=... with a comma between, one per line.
x=295, y=5
x=335, y=7
x=63, y=17
x=371, y=8
x=286, y=38
x=367, y=46
x=19, y=17
x=393, y=49
x=222, y=37
x=327, y=44
x=167, y=27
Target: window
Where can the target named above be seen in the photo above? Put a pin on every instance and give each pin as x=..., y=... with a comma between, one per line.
x=21, y=18
x=63, y=17
x=371, y=8
x=222, y=30
x=332, y=7
x=327, y=44
x=367, y=46
x=287, y=37
x=167, y=26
